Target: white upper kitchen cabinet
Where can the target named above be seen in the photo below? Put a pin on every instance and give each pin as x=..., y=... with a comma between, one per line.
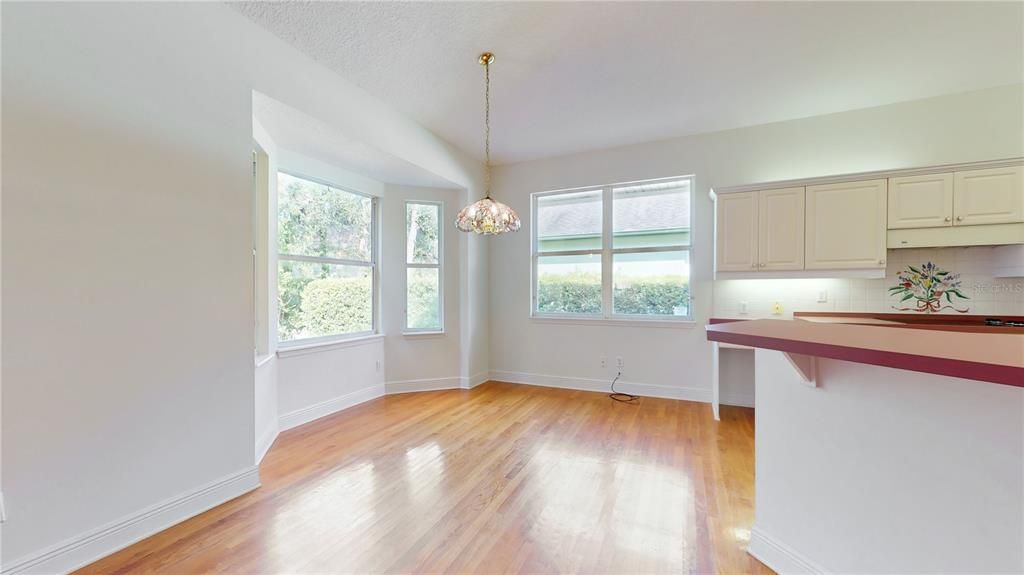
x=736, y=232
x=846, y=225
x=921, y=201
x=781, y=229
x=993, y=196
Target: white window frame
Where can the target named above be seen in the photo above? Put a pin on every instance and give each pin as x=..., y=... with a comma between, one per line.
x=260, y=251
x=439, y=266
x=607, y=253
x=372, y=264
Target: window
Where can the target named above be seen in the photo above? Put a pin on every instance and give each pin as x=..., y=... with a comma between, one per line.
x=620, y=251
x=423, y=299
x=261, y=249
x=327, y=261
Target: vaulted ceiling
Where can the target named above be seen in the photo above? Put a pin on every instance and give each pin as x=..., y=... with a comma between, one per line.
x=574, y=76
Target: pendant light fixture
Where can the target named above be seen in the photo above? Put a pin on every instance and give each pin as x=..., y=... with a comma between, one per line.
x=487, y=216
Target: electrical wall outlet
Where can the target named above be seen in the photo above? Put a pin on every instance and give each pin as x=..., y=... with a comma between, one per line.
x=822, y=296
x=604, y=362
x=619, y=363
x=777, y=308
x=3, y=509
x=378, y=365
x=743, y=307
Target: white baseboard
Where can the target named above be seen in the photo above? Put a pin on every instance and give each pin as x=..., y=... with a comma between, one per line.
x=782, y=558
x=414, y=385
x=476, y=379
x=602, y=385
x=737, y=399
x=434, y=384
x=83, y=549
x=264, y=442
x=324, y=408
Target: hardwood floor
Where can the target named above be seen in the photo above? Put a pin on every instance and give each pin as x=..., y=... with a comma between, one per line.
x=501, y=479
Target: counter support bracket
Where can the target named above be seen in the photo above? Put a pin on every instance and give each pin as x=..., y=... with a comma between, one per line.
x=805, y=365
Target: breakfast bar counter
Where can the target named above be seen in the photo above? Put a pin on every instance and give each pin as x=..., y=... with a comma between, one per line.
x=886, y=447
x=992, y=356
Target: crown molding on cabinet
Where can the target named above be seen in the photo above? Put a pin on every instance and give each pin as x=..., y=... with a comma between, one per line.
x=866, y=176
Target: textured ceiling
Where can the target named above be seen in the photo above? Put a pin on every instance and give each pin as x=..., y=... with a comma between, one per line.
x=303, y=134
x=573, y=76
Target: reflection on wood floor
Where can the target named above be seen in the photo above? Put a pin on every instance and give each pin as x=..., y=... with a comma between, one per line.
x=503, y=478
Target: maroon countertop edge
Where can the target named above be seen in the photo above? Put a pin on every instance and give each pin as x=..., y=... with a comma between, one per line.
x=1002, y=374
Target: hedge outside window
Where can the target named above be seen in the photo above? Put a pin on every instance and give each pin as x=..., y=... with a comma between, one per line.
x=423, y=299
x=620, y=251
x=326, y=261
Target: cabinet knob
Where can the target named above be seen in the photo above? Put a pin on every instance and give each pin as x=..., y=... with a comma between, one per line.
x=959, y=218
x=947, y=218
x=881, y=262
x=753, y=265
x=761, y=264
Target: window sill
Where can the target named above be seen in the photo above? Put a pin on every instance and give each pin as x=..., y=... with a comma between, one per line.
x=424, y=334
x=617, y=322
x=322, y=346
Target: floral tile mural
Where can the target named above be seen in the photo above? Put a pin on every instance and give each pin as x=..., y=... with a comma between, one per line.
x=928, y=289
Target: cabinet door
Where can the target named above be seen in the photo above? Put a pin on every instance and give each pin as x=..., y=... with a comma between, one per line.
x=921, y=201
x=781, y=229
x=994, y=196
x=846, y=225
x=736, y=232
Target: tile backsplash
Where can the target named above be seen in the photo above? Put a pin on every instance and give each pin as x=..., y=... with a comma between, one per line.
x=987, y=295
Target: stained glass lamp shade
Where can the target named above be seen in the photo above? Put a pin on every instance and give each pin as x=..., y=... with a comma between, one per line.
x=487, y=217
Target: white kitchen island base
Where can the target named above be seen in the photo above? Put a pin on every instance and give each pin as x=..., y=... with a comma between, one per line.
x=881, y=470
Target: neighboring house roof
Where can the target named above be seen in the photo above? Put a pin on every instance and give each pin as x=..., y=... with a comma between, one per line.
x=637, y=208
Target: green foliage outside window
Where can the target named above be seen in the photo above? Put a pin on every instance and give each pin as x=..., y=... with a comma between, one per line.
x=320, y=298
x=663, y=295
x=422, y=233
x=575, y=292
x=423, y=300
x=581, y=293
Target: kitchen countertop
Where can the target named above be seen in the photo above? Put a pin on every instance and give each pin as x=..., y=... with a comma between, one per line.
x=990, y=354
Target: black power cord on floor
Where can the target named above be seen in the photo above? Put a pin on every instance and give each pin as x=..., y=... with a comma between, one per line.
x=620, y=396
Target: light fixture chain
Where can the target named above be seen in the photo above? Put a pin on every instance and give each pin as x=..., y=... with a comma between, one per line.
x=487, y=216
x=487, y=129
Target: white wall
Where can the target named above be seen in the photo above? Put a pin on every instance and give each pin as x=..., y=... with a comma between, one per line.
x=837, y=465
x=126, y=246
x=319, y=381
x=981, y=125
x=126, y=238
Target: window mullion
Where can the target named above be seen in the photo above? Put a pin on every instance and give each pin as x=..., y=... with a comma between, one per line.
x=326, y=260
x=606, y=252
x=650, y=250
x=571, y=253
